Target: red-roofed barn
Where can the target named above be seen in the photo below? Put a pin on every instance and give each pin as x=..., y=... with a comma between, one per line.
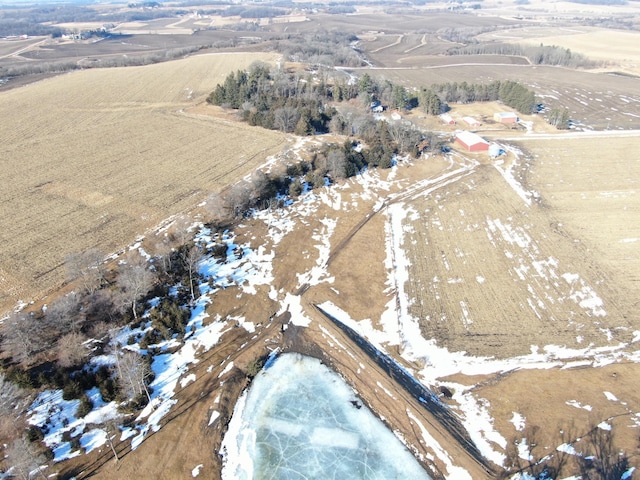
x=472, y=142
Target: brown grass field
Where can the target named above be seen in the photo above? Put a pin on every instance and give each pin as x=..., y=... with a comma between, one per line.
x=476, y=236
x=94, y=158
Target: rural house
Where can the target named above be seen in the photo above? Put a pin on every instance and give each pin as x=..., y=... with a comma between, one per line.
x=472, y=142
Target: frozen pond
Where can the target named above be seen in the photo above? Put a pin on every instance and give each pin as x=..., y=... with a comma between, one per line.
x=300, y=420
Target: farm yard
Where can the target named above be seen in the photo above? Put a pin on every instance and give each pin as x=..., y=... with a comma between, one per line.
x=507, y=286
x=94, y=158
x=597, y=101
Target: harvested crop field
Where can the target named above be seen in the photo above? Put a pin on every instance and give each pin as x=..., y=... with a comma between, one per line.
x=94, y=158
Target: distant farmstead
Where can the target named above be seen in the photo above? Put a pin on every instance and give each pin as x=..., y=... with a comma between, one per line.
x=506, y=117
x=472, y=142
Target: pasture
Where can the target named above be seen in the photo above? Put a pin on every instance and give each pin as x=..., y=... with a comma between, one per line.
x=94, y=158
x=493, y=275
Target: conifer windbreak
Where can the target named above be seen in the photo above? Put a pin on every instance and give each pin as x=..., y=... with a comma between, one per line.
x=433, y=99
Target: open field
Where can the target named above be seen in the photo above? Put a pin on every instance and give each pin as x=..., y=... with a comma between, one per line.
x=569, y=258
x=93, y=158
x=618, y=48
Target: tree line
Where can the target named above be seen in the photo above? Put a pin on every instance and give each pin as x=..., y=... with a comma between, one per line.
x=330, y=49
x=536, y=54
x=67, y=13
x=435, y=98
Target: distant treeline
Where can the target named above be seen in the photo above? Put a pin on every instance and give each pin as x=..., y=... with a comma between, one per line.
x=321, y=48
x=32, y=68
x=32, y=17
x=251, y=12
x=538, y=55
x=434, y=99
x=15, y=28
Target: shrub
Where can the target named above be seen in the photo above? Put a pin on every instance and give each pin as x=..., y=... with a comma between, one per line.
x=219, y=251
x=169, y=318
x=150, y=338
x=107, y=385
x=295, y=189
x=22, y=378
x=72, y=390
x=255, y=365
x=86, y=405
x=48, y=454
x=75, y=444
x=34, y=434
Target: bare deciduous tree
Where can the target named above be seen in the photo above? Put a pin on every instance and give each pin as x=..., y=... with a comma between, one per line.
x=183, y=229
x=87, y=268
x=601, y=460
x=190, y=259
x=218, y=208
x=336, y=163
x=285, y=118
x=135, y=279
x=132, y=372
x=163, y=252
x=71, y=349
x=64, y=314
x=23, y=337
x=25, y=459
x=238, y=198
x=10, y=397
x=259, y=184
x=111, y=429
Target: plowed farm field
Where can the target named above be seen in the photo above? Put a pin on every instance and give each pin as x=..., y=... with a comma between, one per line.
x=96, y=157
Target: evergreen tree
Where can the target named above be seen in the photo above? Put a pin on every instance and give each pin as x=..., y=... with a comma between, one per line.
x=430, y=102
x=559, y=118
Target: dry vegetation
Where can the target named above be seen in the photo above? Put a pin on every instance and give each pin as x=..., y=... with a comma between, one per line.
x=96, y=157
x=93, y=158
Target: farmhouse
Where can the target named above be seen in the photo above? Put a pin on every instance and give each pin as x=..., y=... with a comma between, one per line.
x=447, y=119
x=506, y=117
x=472, y=142
x=472, y=122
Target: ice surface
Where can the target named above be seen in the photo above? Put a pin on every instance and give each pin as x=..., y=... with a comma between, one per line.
x=300, y=420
